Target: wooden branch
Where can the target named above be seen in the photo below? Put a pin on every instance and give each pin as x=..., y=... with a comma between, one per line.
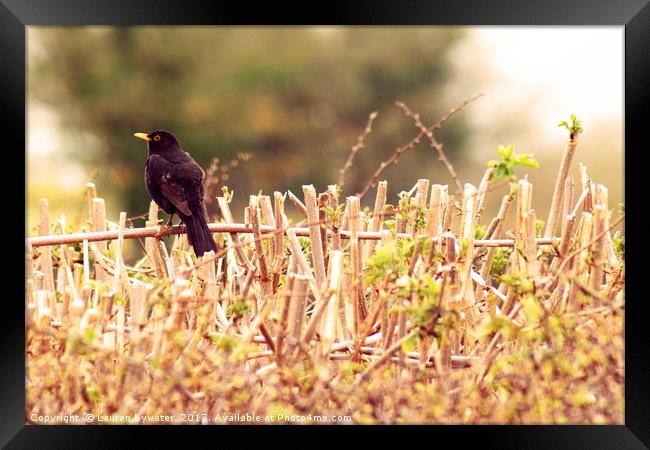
x=267, y=232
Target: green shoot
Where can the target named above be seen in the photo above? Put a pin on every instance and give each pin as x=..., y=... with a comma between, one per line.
x=574, y=128
x=509, y=160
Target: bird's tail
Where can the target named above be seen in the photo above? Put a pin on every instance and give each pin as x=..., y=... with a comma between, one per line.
x=198, y=234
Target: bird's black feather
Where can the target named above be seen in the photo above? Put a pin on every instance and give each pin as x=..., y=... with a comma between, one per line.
x=175, y=182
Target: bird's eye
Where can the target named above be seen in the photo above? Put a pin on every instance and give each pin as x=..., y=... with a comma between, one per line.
x=156, y=138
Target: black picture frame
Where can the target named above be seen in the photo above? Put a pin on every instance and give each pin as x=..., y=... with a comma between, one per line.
x=633, y=15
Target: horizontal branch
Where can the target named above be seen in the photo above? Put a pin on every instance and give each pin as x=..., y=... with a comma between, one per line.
x=267, y=230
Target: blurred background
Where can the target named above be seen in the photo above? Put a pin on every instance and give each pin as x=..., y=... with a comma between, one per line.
x=296, y=98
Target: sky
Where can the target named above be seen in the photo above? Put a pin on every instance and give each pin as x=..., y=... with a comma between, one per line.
x=541, y=73
x=582, y=65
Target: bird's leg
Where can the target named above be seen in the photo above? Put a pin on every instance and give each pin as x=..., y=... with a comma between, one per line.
x=165, y=227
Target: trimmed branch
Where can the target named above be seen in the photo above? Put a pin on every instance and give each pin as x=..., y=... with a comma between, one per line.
x=558, y=191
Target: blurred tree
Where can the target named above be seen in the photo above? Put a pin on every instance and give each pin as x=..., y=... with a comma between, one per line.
x=295, y=98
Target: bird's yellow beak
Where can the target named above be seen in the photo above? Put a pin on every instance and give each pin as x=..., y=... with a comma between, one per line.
x=142, y=136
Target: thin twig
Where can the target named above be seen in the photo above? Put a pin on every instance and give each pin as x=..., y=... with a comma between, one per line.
x=361, y=143
x=408, y=146
x=382, y=359
x=437, y=146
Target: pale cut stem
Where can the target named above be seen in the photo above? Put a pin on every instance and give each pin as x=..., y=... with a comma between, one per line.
x=298, y=204
x=355, y=262
x=567, y=201
x=377, y=217
x=234, y=237
x=318, y=259
x=46, y=255
x=556, y=202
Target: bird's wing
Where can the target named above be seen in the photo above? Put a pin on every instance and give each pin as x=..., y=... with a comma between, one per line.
x=172, y=187
x=176, y=194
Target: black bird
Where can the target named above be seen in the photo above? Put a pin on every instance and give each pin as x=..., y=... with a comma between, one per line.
x=175, y=182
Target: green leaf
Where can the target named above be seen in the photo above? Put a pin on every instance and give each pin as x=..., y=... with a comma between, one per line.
x=525, y=159
x=500, y=261
x=506, y=152
x=227, y=195
x=119, y=300
x=533, y=311
x=240, y=308
x=502, y=171
x=510, y=159
x=619, y=247
x=582, y=398
x=89, y=335
x=93, y=393
x=410, y=344
x=479, y=231
x=226, y=343
x=519, y=282
x=575, y=127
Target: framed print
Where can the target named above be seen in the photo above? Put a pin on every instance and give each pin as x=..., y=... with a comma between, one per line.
x=371, y=214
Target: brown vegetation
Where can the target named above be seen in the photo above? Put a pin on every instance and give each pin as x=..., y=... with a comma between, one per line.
x=422, y=311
